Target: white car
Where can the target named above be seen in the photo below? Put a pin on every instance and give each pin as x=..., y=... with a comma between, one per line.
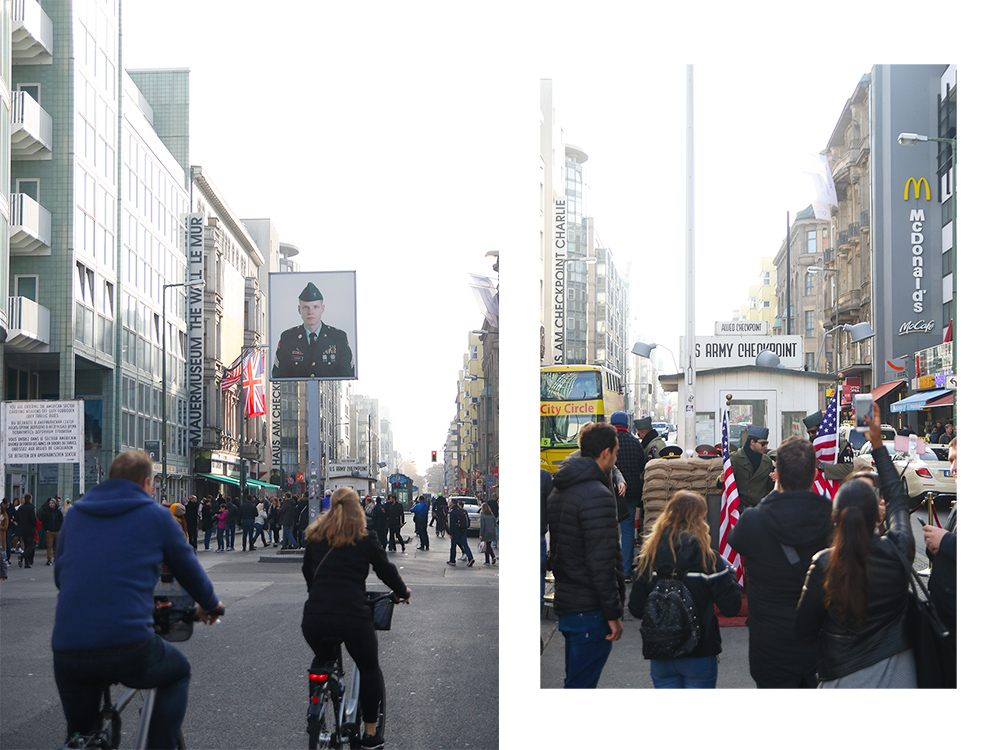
x=922, y=475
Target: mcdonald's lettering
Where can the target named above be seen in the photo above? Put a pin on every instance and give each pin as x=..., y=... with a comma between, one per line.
x=917, y=219
x=916, y=188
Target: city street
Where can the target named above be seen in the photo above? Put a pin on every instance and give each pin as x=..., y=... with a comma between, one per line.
x=626, y=668
x=248, y=685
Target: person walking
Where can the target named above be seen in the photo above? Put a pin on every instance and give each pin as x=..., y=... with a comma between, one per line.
x=221, y=519
x=488, y=533
x=395, y=519
x=248, y=519
x=421, y=511
x=301, y=522
x=680, y=546
x=232, y=516
x=855, y=595
x=287, y=518
x=631, y=463
x=458, y=527
x=441, y=516
x=586, y=557
x=191, y=512
x=26, y=526
x=776, y=540
x=380, y=522
x=259, y=526
x=274, y=521
x=52, y=520
x=207, y=520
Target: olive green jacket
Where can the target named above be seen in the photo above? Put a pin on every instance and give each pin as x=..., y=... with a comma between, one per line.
x=753, y=486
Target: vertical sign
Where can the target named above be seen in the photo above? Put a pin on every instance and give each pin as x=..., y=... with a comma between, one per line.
x=196, y=327
x=559, y=284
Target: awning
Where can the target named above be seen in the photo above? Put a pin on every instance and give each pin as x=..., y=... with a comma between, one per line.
x=948, y=400
x=226, y=480
x=885, y=389
x=261, y=485
x=918, y=400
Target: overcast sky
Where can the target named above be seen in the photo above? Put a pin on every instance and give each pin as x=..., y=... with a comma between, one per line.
x=402, y=140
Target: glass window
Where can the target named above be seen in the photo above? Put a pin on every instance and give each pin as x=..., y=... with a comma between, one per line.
x=811, y=241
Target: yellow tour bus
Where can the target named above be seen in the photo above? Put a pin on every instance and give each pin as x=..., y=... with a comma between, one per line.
x=571, y=396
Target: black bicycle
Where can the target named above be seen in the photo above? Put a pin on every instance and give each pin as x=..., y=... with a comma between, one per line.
x=170, y=622
x=334, y=716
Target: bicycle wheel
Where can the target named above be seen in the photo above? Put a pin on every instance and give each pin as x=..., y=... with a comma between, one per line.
x=321, y=723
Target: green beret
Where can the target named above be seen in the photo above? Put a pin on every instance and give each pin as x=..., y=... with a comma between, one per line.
x=310, y=293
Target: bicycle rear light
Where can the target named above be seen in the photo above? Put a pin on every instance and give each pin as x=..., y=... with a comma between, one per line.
x=318, y=677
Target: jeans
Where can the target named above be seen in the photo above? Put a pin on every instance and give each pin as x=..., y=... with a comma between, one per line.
x=628, y=541
x=231, y=536
x=286, y=534
x=146, y=664
x=258, y=533
x=421, y=527
x=587, y=649
x=208, y=538
x=221, y=531
x=688, y=672
x=247, y=527
x=461, y=542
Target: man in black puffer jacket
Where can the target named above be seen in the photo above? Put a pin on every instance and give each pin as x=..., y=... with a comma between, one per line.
x=777, y=540
x=586, y=556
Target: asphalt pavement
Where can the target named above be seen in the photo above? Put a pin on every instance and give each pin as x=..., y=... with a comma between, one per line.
x=248, y=686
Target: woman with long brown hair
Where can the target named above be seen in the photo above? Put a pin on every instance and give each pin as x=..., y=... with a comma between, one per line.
x=679, y=545
x=854, y=596
x=339, y=552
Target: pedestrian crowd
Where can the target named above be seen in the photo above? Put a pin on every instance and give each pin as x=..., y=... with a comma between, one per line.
x=826, y=581
x=23, y=528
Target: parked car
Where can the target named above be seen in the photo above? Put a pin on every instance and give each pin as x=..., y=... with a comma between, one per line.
x=921, y=475
x=471, y=506
x=857, y=438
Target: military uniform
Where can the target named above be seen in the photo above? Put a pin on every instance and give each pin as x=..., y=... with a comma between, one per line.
x=329, y=356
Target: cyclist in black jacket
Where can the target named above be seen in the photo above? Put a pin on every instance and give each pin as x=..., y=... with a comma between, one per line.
x=340, y=550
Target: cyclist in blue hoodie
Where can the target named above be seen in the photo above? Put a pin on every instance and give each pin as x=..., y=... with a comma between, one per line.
x=108, y=561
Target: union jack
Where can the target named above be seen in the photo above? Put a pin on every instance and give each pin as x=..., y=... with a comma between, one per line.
x=730, y=504
x=826, y=445
x=253, y=385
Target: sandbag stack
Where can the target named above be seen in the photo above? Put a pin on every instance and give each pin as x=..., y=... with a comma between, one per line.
x=665, y=476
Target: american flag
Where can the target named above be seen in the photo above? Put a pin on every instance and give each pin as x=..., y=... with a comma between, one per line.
x=730, y=504
x=232, y=374
x=253, y=385
x=826, y=445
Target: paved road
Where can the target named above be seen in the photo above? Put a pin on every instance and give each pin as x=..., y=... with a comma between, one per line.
x=248, y=687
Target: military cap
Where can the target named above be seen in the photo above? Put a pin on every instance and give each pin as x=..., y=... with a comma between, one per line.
x=813, y=420
x=310, y=293
x=644, y=423
x=671, y=451
x=757, y=433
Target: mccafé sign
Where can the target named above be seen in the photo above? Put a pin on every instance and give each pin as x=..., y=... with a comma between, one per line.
x=569, y=409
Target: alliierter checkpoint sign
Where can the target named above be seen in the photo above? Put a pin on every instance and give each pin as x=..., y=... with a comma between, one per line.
x=42, y=432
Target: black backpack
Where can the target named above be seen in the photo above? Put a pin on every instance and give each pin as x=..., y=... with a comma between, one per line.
x=670, y=626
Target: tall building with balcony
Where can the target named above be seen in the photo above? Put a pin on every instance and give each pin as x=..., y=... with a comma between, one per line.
x=95, y=216
x=810, y=239
x=471, y=472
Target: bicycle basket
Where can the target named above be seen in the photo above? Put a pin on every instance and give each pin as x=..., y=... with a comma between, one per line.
x=381, y=610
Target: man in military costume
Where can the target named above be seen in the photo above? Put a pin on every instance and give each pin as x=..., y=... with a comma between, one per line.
x=652, y=442
x=752, y=468
x=313, y=349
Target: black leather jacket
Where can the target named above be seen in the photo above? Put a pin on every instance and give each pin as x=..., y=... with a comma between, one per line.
x=844, y=650
x=583, y=532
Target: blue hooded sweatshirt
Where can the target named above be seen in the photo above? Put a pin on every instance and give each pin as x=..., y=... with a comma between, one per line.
x=108, y=564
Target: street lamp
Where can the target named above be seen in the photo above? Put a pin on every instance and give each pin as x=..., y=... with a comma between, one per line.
x=858, y=332
x=163, y=382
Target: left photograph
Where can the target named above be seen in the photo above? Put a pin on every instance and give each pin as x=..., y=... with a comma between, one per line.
x=249, y=371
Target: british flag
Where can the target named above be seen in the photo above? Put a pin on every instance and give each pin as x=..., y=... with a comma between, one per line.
x=825, y=444
x=730, y=504
x=253, y=385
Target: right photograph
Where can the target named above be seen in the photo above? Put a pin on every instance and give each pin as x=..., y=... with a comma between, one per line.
x=747, y=385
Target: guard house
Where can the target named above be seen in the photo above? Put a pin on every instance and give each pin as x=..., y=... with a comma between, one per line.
x=772, y=397
x=355, y=474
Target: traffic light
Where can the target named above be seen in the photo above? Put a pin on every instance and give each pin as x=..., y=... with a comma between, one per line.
x=434, y=456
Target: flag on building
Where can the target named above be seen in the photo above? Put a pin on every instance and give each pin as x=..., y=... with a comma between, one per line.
x=253, y=385
x=730, y=504
x=818, y=168
x=232, y=374
x=826, y=446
